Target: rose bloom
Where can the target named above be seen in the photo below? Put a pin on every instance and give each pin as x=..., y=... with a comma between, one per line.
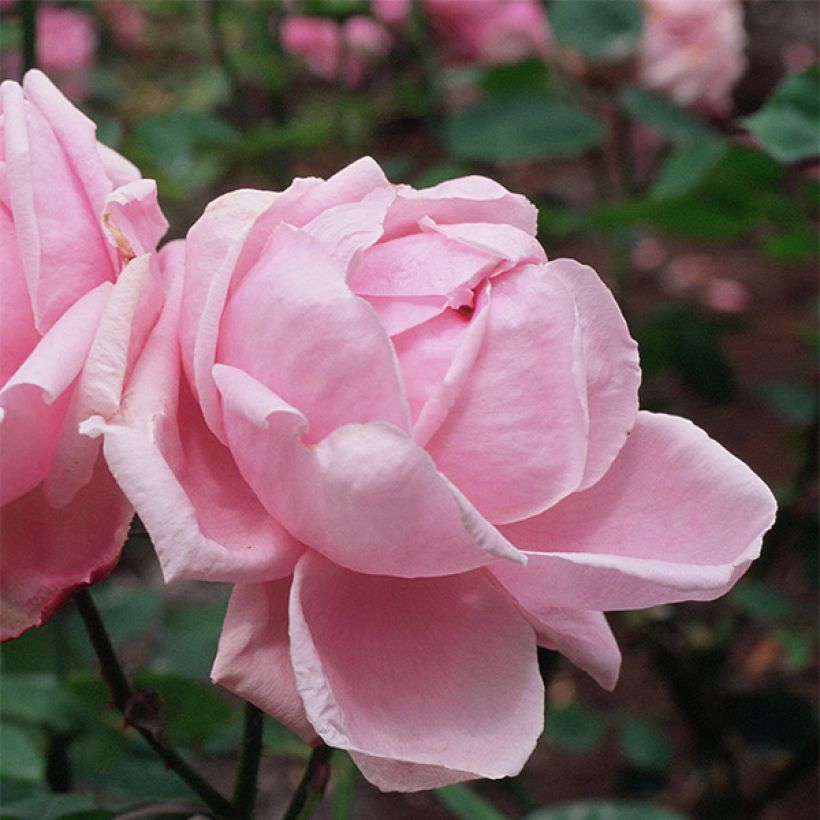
x=692, y=51
x=66, y=47
x=73, y=315
x=333, y=51
x=486, y=31
x=414, y=445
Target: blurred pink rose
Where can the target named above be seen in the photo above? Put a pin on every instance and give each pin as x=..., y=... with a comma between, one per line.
x=487, y=31
x=692, y=51
x=127, y=22
x=66, y=47
x=73, y=313
x=414, y=445
x=333, y=51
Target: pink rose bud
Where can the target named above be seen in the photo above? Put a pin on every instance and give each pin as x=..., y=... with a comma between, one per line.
x=80, y=292
x=413, y=444
x=692, y=51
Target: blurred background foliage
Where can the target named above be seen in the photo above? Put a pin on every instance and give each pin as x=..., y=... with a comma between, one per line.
x=703, y=223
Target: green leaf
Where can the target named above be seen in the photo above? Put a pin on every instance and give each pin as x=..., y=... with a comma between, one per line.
x=574, y=727
x=793, y=403
x=788, y=125
x=644, y=745
x=465, y=803
x=529, y=75
x=20, y=759
x=674, y=123
x=39, y=699
x=188, y=642
x=599, y=29
x=127, y=611
x=687, y=167
x=688, y=344
x=605, y=810
x=758, y=600
x=520, y=128
x=798, y=648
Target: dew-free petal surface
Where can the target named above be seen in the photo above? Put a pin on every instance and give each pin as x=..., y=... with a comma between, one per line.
x=438, y=672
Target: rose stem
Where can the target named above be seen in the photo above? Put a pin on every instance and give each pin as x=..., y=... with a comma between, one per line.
x=309, y=793
x=29, y=10
x=244, y=793
x=121, y=693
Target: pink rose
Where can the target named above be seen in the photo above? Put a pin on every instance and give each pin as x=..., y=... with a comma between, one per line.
x=72, y=315
x=414, y=445
x=487, y=31
x=692, y=50
x=336, y=52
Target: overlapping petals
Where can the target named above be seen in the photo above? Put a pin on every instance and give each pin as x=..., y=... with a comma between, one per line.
x=413, y=443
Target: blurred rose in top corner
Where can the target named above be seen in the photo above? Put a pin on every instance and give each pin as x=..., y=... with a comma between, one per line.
x=337, y=52
x=692, y=51
x=66, y=48
x=81, y=288
x=483, y=31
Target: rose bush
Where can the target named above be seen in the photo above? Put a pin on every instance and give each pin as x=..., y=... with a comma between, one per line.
x=80, y=291
x=413, y=443
x=693, y=51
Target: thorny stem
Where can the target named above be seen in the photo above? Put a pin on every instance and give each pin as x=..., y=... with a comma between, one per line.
x=310, y=791
x=122, y=694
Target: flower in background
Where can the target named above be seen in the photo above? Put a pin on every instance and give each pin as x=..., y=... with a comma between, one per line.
x=483, y=31
x=80, y=291
x=127, y=22
x=692, y=51
x=66, y=49
x=413, y=444
x=337, y=52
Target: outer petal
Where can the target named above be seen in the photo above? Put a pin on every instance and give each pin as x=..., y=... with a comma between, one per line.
x=366, y=496
x=468, y=199
x=133, y=218
x=59, y=236
x=425, y=681
x=204, y=521
x=675, y=518
x=253, y=659
x=584, y=638
x=34, y=401
x=515, y=440
x=611, y=365
x=47, y=553
x=310, y=340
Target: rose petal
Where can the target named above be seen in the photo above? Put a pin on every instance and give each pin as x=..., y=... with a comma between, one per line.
x=133, y=219
x=611, y=365
x=675, y=518
x=467, y=199
x=310, y=340
x=366, y=496
x=59, y=237
x=47, y=553
x=584, y=638
x=204, y=521
x=515, y=440
x=35, y=399
x=253, y=658
x=372, y=654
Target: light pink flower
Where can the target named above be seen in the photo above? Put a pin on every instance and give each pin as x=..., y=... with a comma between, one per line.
x=414, y=445
x=73, y=315
x=66, y=48
x=692, y=51
x=336, y=52
x=484, y=31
